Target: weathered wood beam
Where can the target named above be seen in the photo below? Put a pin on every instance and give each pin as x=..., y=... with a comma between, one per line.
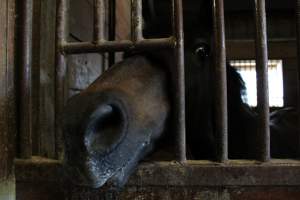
x=7, y=99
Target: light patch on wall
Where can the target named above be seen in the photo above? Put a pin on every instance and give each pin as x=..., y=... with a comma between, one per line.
x=248, y=72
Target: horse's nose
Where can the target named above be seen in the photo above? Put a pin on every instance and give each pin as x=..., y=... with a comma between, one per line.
x=105, y=129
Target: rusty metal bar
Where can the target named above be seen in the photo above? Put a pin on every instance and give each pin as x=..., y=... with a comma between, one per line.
x=220, y=80
x=262, y=81
x=298, y=62
x=26, y=80
x=114, y=46
x=137, y=20
x=99, y=21
x=178, y=81
x=111, y=29
x=60, y=70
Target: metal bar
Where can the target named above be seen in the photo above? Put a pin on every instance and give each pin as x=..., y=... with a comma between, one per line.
x=137, y=20
x=262, y=81
x=112, y=29
x=26, y=80
x=60, y=70
x=220, y=82
x=178, y=81
x=114, y=46
x=99, y=21
x=298, y=60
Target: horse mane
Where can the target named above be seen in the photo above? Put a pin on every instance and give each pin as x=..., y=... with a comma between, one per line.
x=236, y=85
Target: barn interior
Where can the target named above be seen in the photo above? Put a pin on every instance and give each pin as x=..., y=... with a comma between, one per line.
x=32, y=148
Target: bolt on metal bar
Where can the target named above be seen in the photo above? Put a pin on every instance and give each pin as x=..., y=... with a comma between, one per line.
x=115, y=46
x=26, y=80
x=262, y=81
x=178, y=81
x=298, y=60
x=60, y=70
x=99, y=20
x=137, y=20
x=220, y=80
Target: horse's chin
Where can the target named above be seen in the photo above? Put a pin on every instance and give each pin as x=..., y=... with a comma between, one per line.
x=91, y=174
x=112, y=169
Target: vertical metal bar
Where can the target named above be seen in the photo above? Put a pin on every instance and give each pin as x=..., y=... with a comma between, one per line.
x=178, y=81
x=99, y=27
x=60, y=70
x=220, y=81
x=112, y=28
x=26, y=80
x=298, y=61
x=137, y=20
x=99, y=20
x=262, y=80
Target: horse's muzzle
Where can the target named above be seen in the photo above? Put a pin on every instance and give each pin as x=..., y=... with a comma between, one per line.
x=113, y=124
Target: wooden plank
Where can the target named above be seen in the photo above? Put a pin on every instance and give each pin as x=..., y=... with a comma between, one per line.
x=244, y=49
x=193, y=173
x=81, y=20
x=47, y=79
x=35, y=76
x=7, y=100
x=123, y=19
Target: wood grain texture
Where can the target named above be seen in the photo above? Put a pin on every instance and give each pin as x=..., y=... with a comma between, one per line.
x=236, y=180
x=7, y=100
x=46, y=55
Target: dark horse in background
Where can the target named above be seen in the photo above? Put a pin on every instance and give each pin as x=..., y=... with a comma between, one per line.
x=124, y=115
x=242, y=119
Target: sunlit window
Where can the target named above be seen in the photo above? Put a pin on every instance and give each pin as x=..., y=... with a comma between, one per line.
x=248, y=72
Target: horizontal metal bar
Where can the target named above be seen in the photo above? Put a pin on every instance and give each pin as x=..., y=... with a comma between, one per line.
x=262, y=81
x=115, y=46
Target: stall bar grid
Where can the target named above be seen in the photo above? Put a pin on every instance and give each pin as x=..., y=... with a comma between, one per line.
x=100, y=45
x=175, y=42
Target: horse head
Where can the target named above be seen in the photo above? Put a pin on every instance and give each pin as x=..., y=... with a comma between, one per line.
x=110, y=126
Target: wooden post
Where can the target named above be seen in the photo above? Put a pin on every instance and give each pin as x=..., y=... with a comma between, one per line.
x=7, y=99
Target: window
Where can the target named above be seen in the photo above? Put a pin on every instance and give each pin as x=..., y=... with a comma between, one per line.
x=248, y=72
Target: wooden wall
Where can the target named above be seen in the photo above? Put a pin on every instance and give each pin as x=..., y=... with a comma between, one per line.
x=82, y=69
x=7, y=100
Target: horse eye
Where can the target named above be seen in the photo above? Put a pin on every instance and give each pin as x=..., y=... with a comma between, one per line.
x=202, y=51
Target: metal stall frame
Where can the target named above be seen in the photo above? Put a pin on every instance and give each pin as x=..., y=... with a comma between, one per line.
x=175, y=42
x=224, y=172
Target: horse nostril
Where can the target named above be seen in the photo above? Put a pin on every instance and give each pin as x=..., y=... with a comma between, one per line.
x=105, y=129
